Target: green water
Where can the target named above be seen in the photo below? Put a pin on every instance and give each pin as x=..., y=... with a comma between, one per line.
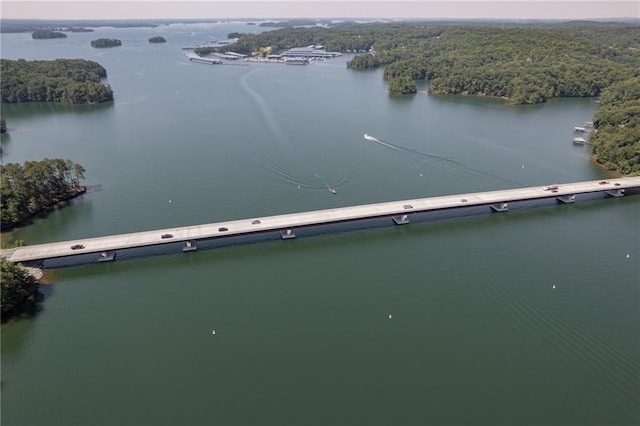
x=477, y=334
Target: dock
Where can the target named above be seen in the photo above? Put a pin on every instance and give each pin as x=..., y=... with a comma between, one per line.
x=400, y=212
x=192, y=57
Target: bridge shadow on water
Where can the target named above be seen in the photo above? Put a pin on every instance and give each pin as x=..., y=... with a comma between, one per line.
x=314, y=230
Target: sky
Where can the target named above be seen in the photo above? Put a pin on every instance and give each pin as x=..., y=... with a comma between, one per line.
x=412, y=9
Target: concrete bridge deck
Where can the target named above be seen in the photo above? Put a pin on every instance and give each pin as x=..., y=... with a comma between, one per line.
x=286, y=223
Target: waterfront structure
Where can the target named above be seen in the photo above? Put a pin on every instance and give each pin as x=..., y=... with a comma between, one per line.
x=192, y=57
x=310, y=52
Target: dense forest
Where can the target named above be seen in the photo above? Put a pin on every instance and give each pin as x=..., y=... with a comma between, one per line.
x=157, y=39
x=106, y=42
x=41, y=34
x=3, y=126
x=72, y=81
x=524, y=63
x=36, y=186
x=17, y=286
x=616, y=140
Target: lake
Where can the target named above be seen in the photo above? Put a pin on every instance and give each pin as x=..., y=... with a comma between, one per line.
x=528, y=317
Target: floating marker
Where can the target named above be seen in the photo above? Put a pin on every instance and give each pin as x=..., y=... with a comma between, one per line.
x=169, y=201
x=389, y=316
x=627, y=255
x=213, y=332
x=420, y=174
x=523, y=166
x=554, y=286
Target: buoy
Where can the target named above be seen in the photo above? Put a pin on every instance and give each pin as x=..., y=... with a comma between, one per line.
x=523, y=166
x=420, y=174
x=298, y=186
x=169, y=201
x=554, y=286
x=213, y=332
x=627, y=255
x=389, y=316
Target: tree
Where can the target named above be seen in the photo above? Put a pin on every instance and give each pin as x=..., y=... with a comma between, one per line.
x=402, y=86
x=363, y=61
x=17, y=285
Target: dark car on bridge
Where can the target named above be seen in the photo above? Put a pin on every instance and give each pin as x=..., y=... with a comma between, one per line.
x=77, y=247
x=165, y=236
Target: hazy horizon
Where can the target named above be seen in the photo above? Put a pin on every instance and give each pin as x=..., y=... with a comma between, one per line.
x=353, y=9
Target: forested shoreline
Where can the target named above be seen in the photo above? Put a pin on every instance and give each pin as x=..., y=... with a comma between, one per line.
x=522, y=63
x=70, y=81
x=616, y=140
x=17, y=286
x=26, y=190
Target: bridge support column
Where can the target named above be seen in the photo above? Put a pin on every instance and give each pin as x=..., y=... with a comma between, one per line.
x=107, y=256
x=287, y=234
x=190, y=245
x=566, y=199
x=401, y=219
x=500, y=207
x=615, y=192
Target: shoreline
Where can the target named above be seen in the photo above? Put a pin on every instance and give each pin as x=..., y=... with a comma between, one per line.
x=75, y=192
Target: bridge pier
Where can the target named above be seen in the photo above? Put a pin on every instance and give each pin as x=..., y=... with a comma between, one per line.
x=615, y=192
x=107, y=256
x=287, y=234
x=190, y=245
x=401, y=219
x=566, y=199
x=500, y=207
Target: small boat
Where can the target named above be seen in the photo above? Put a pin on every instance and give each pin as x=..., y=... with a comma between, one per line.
x=579, y=129
x=331, y=190
x=368, y=137
x=580, y=141
x=588, y=124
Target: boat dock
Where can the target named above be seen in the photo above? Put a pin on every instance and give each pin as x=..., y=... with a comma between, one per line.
x=192, y=57
x=105, y=248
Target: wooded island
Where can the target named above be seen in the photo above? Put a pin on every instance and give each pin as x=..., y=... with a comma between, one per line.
x=43, y=34
x=71, y=81
x=106, y=42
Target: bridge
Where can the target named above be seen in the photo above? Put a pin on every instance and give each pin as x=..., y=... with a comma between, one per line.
x=105, y=248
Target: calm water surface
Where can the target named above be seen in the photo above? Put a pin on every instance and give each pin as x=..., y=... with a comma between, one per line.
x=477, y=334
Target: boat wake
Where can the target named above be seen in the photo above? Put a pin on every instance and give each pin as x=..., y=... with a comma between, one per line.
x=426, y=159
x=290, y=164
